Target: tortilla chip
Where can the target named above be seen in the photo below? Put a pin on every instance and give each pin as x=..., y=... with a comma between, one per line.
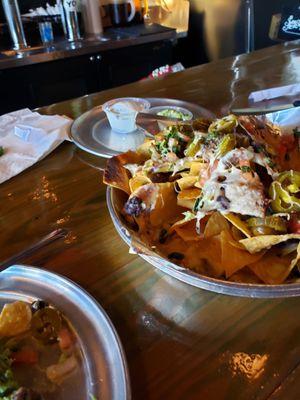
x=138, y=181
x=196, y=167
x=233, y=258
x=258, y=243
x=238, y=223
x=203, y=256
x=191, y=193
x=186, y=182
x=144, y=149
x=245, y=275
x=15, y=318
x=210, y=250
x=187, y=231
x=116, y=175
x=190, y=260
x=186, y=198
x=272, y=269
x=161, y=205
x=215, y=225
x=237, y=235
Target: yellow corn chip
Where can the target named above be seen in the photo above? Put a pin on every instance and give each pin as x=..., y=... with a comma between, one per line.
x=187, y=231
x=238, y=223
x=258, y=243
x=116, y=175
x=215, y=225
x=272, y=269
x=186, y=182
x=210, y=249
x=233, y=258
x=15, y=318
x=186, y=198
x=138, y=181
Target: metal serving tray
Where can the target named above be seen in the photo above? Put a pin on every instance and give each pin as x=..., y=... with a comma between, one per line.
x=91, y=131
x=115, y=201
x=104, y=374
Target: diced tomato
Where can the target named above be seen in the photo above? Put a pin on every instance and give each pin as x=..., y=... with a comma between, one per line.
x=25, y=356
x=288, y=141
x=65, y=339
x=282, y=149
x=294, y=224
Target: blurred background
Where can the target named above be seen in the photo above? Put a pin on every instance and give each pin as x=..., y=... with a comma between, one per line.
x=99, y=44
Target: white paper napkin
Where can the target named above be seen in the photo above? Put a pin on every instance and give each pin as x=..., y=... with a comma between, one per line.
x=27, y=137
x=286, y=119
x=273, y=93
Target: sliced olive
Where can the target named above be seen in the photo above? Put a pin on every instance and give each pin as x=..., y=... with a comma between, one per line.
x=38, y=305
x=45, y=324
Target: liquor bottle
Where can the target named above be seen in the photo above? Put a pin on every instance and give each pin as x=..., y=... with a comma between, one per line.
x=69, y=16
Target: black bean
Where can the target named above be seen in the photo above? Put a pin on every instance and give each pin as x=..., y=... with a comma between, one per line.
x=225, y=202
x=176, y=256
x=163, y=236
x=221, y=179
x=160, y=177
x=38, y=305
x=134, y=206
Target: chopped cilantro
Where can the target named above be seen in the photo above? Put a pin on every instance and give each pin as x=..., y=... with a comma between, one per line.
x=270, y=162
x=198, y=204
x=1, y=151
x=211, y=136
x=246, y=168
x=7, y=381
x=172, y=132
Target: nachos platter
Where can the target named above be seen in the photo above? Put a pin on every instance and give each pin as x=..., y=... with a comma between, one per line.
x=220, y=198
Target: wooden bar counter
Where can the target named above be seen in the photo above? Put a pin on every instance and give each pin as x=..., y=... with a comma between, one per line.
x=180, y=342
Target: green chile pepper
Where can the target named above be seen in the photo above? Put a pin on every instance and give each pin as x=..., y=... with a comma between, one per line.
x=285, y=191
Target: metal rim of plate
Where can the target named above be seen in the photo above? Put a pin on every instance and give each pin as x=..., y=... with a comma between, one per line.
x=82, y=128
x=195, y=279
x=103, y=358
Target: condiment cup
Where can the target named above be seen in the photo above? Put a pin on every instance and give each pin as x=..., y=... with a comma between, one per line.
x=122, y=112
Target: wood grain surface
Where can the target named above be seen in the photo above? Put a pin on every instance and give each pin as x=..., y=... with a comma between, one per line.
x=180, y=342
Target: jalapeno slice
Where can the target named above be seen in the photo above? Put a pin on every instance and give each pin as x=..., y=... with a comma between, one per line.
x=45, y=324
x=285, y=192
x=227, y=143
x=224, y=125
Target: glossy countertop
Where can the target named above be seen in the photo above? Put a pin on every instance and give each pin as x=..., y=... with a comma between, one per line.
x=62, y=49
x=180, y=342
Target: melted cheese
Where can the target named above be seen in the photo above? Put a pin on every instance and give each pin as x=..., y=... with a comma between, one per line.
x=242, y=194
